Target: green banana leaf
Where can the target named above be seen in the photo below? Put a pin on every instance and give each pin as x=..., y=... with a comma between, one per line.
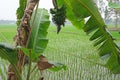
x=31, y=54
x=38, y=38
x=20, y=10
x=10, y=54
x=101, y=37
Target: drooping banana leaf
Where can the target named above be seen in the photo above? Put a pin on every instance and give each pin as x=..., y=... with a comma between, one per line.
x=10, y=54
x=114, y=6
x=102, y=38
x=38, y=38
x=96, y=23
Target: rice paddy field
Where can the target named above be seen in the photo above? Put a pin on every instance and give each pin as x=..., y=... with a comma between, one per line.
x=70, y=47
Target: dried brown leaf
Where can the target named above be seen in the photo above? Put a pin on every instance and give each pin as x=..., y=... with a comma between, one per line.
x=43, y=63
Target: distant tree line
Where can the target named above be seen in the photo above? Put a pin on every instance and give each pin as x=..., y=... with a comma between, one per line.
x=110, y=15
x=7, y=21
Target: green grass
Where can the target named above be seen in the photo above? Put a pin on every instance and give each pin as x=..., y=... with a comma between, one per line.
x=72, y=48
x=7, y=33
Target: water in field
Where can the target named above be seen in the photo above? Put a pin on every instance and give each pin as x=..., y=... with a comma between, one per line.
x=72, y=48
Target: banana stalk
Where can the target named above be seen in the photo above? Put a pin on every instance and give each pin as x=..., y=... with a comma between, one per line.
x=22, y=38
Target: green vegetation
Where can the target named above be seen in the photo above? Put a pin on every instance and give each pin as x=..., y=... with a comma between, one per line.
x=7, y=32
x=72, y=48
x=68, y=47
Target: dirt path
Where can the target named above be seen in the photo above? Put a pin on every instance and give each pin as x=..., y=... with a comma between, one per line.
x=114, y=29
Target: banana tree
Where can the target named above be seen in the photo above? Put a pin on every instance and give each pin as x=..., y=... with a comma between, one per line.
x=32, y=31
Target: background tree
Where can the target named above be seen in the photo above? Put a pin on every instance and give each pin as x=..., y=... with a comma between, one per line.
x=110, y=15
x=114, y=12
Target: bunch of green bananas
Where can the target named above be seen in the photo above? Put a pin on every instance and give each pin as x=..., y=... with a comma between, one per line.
x=58, y=16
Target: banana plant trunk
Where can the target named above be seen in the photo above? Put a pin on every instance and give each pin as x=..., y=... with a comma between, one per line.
x=22, y=38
